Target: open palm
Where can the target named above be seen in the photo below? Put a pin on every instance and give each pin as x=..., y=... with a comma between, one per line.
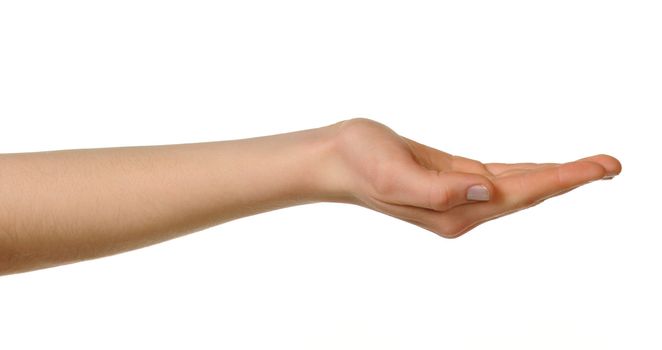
x=427, y=187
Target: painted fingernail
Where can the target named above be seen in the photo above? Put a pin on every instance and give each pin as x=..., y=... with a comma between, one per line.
x=478, y=193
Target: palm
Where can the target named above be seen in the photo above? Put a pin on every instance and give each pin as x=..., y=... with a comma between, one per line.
x=395, y=174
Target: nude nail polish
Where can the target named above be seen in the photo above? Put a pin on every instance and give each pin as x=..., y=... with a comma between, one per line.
x=478, y=193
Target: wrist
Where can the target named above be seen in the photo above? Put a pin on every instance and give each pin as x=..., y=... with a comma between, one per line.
x=331, y=181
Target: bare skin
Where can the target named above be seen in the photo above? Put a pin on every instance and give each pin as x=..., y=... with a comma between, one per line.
x=60, y=207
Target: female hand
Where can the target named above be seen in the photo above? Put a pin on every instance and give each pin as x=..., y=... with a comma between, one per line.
x=70, y=205
x=447, y=194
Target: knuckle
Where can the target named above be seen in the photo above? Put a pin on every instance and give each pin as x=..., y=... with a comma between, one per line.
x=439, y=198
x=526, y=202
x=454, y=228
x=450, y=234
x=456, y=232
x=461, y=230
x=357, y=128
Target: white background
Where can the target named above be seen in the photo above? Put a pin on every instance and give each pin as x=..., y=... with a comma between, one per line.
x=503, y=81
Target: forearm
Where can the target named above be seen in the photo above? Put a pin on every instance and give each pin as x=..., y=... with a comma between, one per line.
x=64, y=206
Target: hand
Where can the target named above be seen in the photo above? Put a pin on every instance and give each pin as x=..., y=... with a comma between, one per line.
x=446, y=194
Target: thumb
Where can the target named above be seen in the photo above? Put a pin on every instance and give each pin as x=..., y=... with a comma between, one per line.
x=439, y=191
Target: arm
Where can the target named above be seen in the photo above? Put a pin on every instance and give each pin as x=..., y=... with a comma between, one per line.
x=65, y=206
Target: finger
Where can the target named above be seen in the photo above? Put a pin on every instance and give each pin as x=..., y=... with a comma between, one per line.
x=432, y=220
x=514, y=193
x=468, y=165
x=439, y=191
x=473, y=224
x=429, y=157
x=428, y=219
x=528, y=190
x=425, y=218
x=502, y=168
x=612, y=165
x=433, y=158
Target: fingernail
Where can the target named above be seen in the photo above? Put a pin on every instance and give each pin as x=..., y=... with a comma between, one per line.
x=478, y=193
x=610, y=176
